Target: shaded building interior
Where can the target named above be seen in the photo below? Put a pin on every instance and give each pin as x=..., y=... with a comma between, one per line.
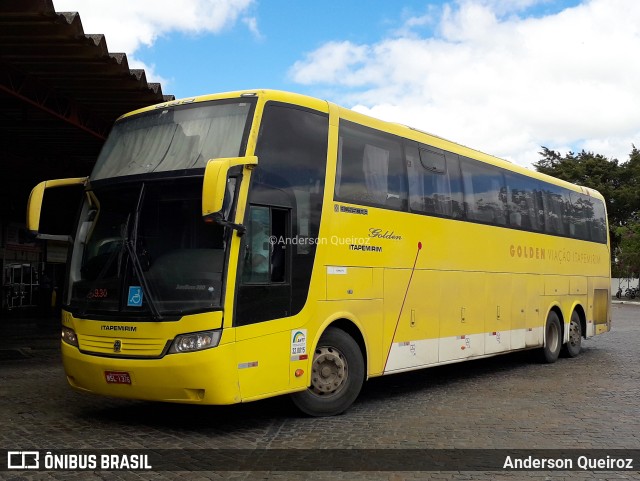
x=61, y=89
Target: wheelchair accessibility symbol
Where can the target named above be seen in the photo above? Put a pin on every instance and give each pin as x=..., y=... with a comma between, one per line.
x=135, y=296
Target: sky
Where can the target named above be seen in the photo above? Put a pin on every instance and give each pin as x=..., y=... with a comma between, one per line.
x=502, y=76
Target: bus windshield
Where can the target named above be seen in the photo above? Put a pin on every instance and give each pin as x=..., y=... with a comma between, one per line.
x=142, y=249
x=173, y=138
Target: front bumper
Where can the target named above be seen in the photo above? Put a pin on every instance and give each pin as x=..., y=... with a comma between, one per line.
x=206, y=377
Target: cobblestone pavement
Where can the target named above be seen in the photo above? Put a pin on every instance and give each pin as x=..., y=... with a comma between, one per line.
x=507, y=402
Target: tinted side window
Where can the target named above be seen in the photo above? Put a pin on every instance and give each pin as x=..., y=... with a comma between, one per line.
x=587, y=218
x=370, y=169
x=598, y=223
x=524, y=203
x=429, y=190
x=484, y=192
x=579, y=214
x=557, y=209
x=433, y=181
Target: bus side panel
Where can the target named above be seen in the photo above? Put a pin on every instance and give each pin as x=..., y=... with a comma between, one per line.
x=263, y=363
x=411, y=328
x=350, y=283
x=577, y=285
x=497, y=329
x=462, y=315
x=533, y=317
x=519, y=299
x=556, y=286
x=366, y=314
x=599, y=306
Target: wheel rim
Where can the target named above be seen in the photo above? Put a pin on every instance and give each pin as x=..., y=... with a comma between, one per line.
x=574, y=334
x=329, y=371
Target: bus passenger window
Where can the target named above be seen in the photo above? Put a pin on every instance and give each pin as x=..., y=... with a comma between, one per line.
x=375, y=165
x=370, y=169
x=556, y=207
x=523, y=202
x=429, y=186
x=581, y=211
x=598, y=222
x=484, y=192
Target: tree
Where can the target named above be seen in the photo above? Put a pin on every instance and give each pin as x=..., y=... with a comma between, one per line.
x=594, y=171
x=627, y=262
x=629, y=193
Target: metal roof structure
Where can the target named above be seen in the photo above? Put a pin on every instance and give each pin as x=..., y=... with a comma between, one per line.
x=60, y=92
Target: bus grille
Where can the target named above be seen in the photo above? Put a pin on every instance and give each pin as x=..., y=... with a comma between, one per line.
x=122, y=347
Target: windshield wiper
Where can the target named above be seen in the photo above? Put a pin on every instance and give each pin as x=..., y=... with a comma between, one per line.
x=130, y=245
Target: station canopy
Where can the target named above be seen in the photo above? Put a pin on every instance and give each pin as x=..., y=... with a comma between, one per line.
x=60, y=92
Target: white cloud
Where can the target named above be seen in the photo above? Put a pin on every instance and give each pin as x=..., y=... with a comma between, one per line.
x=334, y=62
x=128, y=24
x=252, y=25
x=499, y=82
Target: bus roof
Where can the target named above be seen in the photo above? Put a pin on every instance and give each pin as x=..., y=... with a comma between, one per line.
x=391, y=127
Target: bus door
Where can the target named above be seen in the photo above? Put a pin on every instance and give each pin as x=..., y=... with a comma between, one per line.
x=263, y=303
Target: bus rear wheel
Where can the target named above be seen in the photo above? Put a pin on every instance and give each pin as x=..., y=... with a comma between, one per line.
x=552, y=339
x=337, y=375
x=574, y=344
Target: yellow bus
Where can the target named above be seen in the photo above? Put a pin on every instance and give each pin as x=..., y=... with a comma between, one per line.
x=238, y=246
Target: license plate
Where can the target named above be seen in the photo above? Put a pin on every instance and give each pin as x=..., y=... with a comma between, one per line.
x=117, y=377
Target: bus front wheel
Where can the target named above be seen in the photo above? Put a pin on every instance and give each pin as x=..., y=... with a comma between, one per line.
x=337, y=375
x=552, y=339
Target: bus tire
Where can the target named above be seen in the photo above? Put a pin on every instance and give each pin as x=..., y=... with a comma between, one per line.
x=552, y=339
x=574, y=344
x=337, y=375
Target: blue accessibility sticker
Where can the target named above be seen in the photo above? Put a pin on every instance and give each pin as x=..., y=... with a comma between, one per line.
x=135, y=296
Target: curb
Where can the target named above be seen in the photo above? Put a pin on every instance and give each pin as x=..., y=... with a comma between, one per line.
x=631, y=303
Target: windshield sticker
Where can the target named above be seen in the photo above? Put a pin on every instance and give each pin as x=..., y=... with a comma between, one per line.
x=134, y=299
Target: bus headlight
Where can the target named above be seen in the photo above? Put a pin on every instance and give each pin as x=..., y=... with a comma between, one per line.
x=195, y=341
x=69, y=336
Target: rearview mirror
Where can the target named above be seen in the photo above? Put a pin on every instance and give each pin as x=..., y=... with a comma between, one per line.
x=215, y=181
x=35, y=205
